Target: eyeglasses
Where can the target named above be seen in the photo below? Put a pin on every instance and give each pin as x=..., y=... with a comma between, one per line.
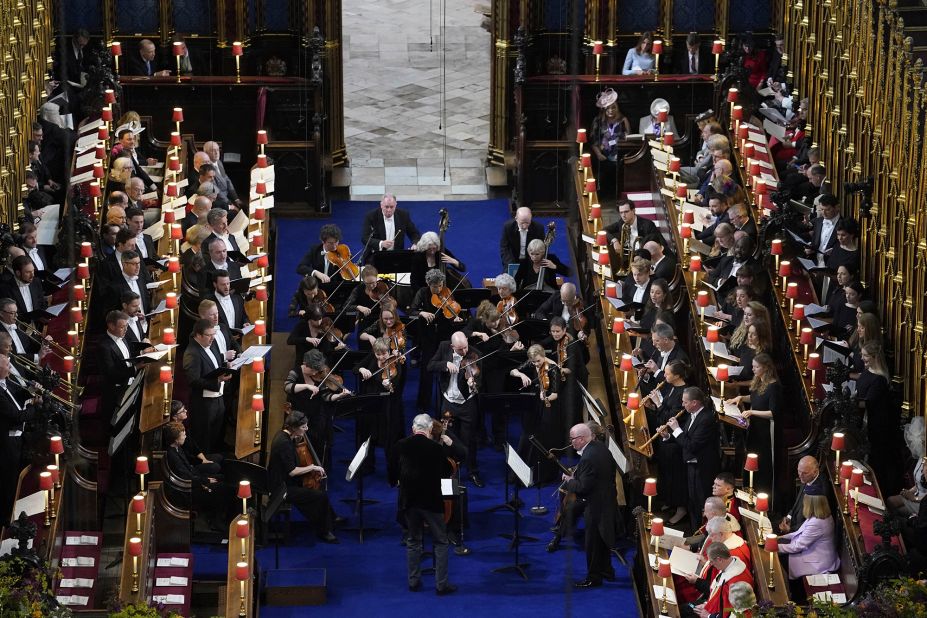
x=575, y=438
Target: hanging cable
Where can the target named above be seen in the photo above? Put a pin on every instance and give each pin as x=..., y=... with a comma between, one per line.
x=444, y=84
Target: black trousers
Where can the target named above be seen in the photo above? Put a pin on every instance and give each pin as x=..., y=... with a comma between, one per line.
x=466, y=420
x=10, y=467
x=598, y=558
x=314, y=506
x=698, y=492
x=207, y=423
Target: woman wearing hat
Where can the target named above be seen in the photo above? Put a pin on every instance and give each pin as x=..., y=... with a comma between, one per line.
x=609, y=128
x=650, y=125
x=640, y=60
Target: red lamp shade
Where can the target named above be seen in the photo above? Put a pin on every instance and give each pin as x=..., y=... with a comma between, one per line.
x=169, y=216
x=658, y=46
x=664, y=569
x=173, y=264
x=135, y=546
x=675, y=164
x=650, y=487
x=580, y=136
x=732, y=95
x=772, y=543
x=168, y=337
x=241, y=571
x=166, y=375
x=262, y=137
x=688, y=217
x=77, y=316
x=626, y=363
x=244, y=490
x=662, y=115
x=257, y=239
x=722, y=373
x=237, y=48
x=590, y=185
x=55, y=473
x=173, y=164
x=45, y=480
x=83, y=270
x=846, y=470
x=743, y=132
x=798, y=312
x=138, y=504
x=611, y=289
x=170, y=300
x=752, y=462
x=94, y=189
x=72, y=338
x=669, y=138
x=785, y=269
x=103, y=134
x=100, y=153
x=717, y=47
x=754, y=168
x=749, y=149
x=261, y=188
x=175, y=139
x=262, y=262
x=262, y=161
x=702, y=299
x=176, y=231
x=171, y=191
x=837, y=441
x=178, y=48
x=656, y=527
x=595, y=211
x=257, y=365
x=681, y=191
x=242, y=529
x=713, y=334
x=67, y=364
x=603, y=258
x=618, y=326
x=177, y=116
x=601, y=238
x=257, y=402
x=106, y=114
x=761, y=188
x=815, y=362
x=856, y=478
x=260, y=328
x=109, y=96
x=807, y=336
x=55, y=445
x=695, y=263
x=634, y=401
x=685, y=231
x=257, y=213
x=141, y=465
x=762, y=502
x=791, y=290
x=737, y=113
x=775, y=247
x=597, y=48
x=260, y=292
x=115, y=48
x=98, y=171
x=586, y=160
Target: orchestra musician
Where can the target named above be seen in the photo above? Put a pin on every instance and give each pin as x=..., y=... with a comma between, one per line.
x=388, y=326
x=381, y=371
x=571, y=355
x=545, y=421
x=638, y=227
x=309, y=293
x=316, y=261
x=505, y=287
x=459, y=378
x=307, y=335
x=286, y=470
x=364, y=300
x=661, y=405
x=429, y=245
x=23, y=344
x=635, y=290
x=15, y=411
x=516, y=234
x=568, y=305
x=529, y=268
x=386, y=228
x=666, y=349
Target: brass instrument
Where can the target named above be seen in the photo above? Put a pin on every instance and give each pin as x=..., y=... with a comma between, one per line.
x=35, y=389
x=623, y=254
x=33, y=333
x=35, y=368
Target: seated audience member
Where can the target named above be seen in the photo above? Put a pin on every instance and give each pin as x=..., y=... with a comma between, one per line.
x=730, y=570
x=223, y=182
x=908, y=502
x=651, y=125
x=743, y=600
x=693, y=58
x=754, y=60
x=145, y=61
x=639, y=59
x=712, y=135
x=119, y=173
x=812, y=548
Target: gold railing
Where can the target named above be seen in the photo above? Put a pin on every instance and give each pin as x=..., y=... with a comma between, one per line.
x=850, y=58
x=25, y=48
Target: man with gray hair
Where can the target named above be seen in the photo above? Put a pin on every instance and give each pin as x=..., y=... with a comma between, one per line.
x=730, y=570
x=666, y=349
x=418, y=464
x=223, y=182
x=386, y=228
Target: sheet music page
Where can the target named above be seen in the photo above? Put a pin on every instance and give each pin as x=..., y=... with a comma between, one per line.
x=32, y=504
x=359, y=457
x=684, y=562
x=617, y=455
x=447, y=487
x=518, y=466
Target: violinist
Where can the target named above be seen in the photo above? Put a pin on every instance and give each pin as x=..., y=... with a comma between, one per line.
x=571, y=354
x=460, y=379
x=429, y=245
x=526, y=277
x=505, y=287
x=309, y=293
x=436, y=315
x=388, y=326
x=284, y=470
x=568, y=305
x=381, y=372
x=542, y=376
x=308, y=335
x=365, y=299
x=329, y=261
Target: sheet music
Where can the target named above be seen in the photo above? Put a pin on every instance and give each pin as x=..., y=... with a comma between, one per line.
x=813, y=309
x=259, y=174
x=808, y=264
x=168, y=599
x=64, y=273
x=266, y=203
x=697, y=245
x=815, y=323
x=684, y=562
x=155, y=230
x=776, y=130
x=32, y=504
x=728, y=409
x=90, y=126
x=254, y=195
x=173, y=580
x=81, y=178
x=86, y=141
x=8, y=545
x=86, y=160
x=239, y=223
x=248, y=355
x=658, y=594
x=617, y=455
x=701, y=213
x=76, y=582
x=518, y=466
x=798, y=238
x=359, y=457
x=824, y=579
x=720, y=350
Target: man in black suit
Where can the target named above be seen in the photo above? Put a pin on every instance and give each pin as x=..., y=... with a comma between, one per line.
x=565, y=304
x=809, y=473
x=593, y=482
x=635, y=288
x=667, y=349
x=23, y=345
x=814, y=185
x=824, y=230
x=145, y=61
x=113, y=354
x=15, y=411
x=386, y=228
x=516, y=234
x=662, y=265
x=693, y=58
x=218, y=221
x=25, y=288
x=315, y=263
x=217, y=258
x=718, y=205
x=697, y=434
x=740, y=218
x=418, y=464
x=144, y=244
x=724, y=274
x=111, y=266
x=638, y=227
x=29, y=243
x=207, y=413
x=230, y=305
x=199, y=215
x=457, y=395
x=137, y=327
x=132, y=278
x=284, y=471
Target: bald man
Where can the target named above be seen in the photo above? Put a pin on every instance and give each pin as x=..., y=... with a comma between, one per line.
x=516, y=234
x=809, y=473
x=662, y=264
x=565, y=304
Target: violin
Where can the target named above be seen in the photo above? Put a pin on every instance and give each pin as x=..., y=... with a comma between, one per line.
x=312, y=480
x=341, y=257
x=320, y=300
x=325, y=378
x=396, y=335
x=562, y=355
x=507, y=309
x=444, y=302
x=390, y=371
x=332, y=333
x=437, y=430
x=578, y=320
x=544, y=381
x=379, y=291
x=470, y=369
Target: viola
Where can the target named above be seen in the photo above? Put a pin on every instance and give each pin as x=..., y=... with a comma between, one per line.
x=544, y=381
x=507, y=309
x=332, y=333
x=341, y=257
x=437, y=430
x=379, y=291
x=332, y=382
x=444, y=302
x=562, y=355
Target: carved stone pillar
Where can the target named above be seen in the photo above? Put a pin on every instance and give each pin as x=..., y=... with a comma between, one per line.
x=334, y=77
x=499, y=83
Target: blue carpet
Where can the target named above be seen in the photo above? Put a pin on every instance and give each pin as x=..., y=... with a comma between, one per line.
x=369, y=579
x=473, y=236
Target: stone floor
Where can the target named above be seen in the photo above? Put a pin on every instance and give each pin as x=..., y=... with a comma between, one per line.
x=396, y=138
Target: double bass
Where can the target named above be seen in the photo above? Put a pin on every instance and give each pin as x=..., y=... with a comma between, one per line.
x=548, y=241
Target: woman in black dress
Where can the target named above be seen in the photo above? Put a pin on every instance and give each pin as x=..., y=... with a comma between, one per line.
x=671, y=467
x=732, y=309
x=526, y=277
x=307, y=335
x=846, y=253
x=568, y=353
x=882, y=419
x=429, y=245
x=836, y=299
x=660, y=300
x=868, y=330
x=844, y=323
x=759, y=340
x=539, y=375
x=381, y=372
x=764, y=433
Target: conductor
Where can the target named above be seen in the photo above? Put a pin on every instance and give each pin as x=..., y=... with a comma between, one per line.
x=593, y=481
x=418, y=464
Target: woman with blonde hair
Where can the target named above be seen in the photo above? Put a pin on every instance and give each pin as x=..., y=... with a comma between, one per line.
x=908, y=502
x=868, y=330
x=754, y=309
x=758, y=341
x=812, y=549
x=883, y=418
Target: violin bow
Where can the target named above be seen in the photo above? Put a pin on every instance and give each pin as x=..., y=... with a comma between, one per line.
x=507, y=309
x=330, y=372
x=393, y=360
x=338, y=272
x=507, y=328
x=384, y=295
x=478, y=359
x=443, y=302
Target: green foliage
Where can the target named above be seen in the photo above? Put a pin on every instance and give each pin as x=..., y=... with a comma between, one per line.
x=26, y=591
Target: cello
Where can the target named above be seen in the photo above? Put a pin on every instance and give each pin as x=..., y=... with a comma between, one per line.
x=305, y=457
x=548, y=241
x=443, y=223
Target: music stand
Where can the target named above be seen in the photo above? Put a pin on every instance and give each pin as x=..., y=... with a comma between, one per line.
x=471, y=297
x=398, y=263
x=523, y=474
x=359, y=406
x=353, y=467
x=505, y=403
x=531, y=300
x=532, y=329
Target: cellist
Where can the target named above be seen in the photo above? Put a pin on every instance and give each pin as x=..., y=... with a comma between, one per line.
x=284, y=470
x=322, y=260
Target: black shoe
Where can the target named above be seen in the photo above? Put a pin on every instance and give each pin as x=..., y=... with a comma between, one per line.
x=330, y=538
x=339, y=520
x=417, y=587
x=554, y=544
x=476, y=480
x=587, y=583
x=449, y=589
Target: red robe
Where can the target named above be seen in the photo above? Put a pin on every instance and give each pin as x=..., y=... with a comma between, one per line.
x=719, y=601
